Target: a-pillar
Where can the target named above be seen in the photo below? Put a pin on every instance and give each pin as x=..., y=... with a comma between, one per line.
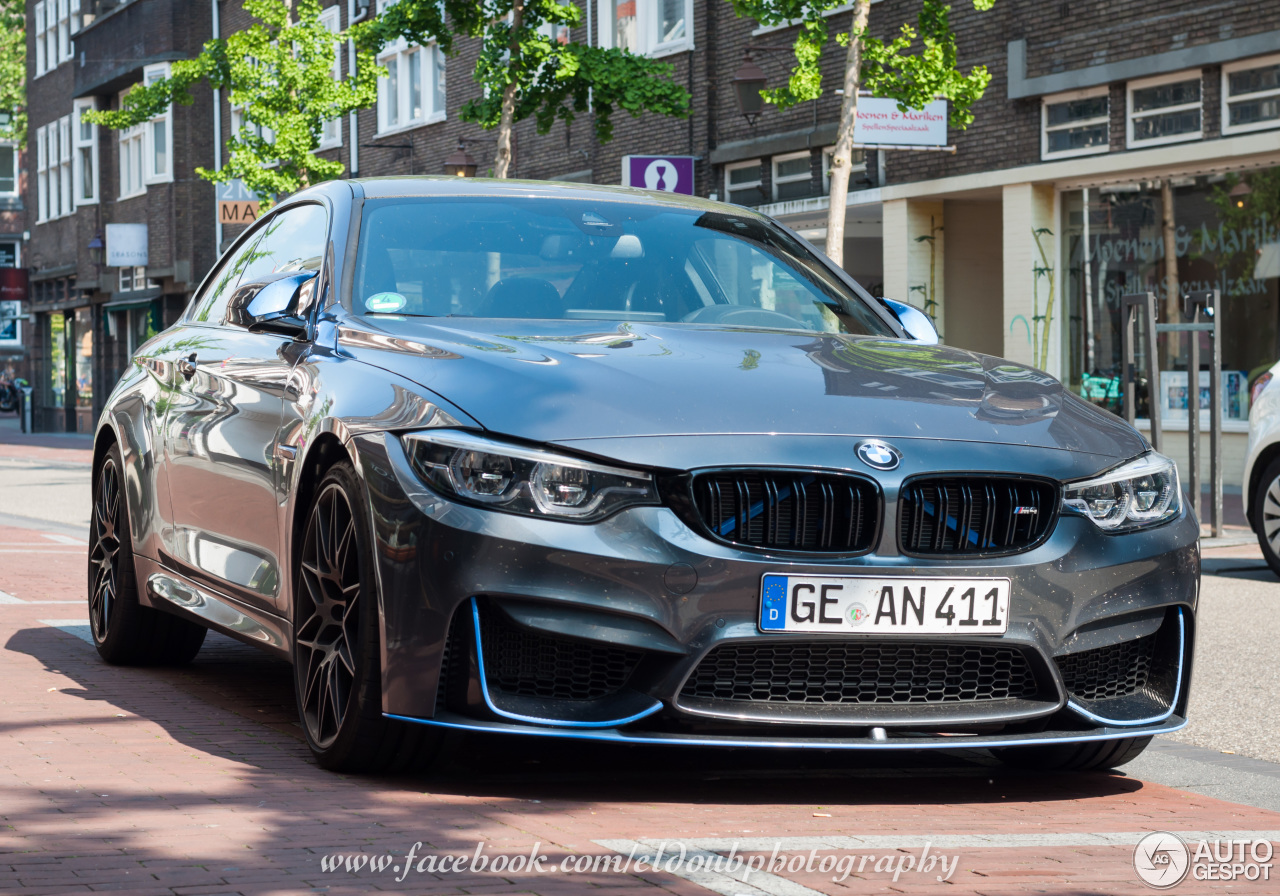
x=914, y=255
x=1029, y=211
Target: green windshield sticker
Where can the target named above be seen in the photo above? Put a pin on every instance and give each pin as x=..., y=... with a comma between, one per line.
x=385, y=302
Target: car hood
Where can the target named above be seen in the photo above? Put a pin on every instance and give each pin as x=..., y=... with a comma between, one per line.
x=558, y=381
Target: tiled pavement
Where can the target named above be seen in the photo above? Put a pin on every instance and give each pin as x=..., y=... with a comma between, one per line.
x=196, y=781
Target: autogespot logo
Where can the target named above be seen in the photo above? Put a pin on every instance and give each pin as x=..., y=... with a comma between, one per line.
x=1161, y=860
x=879, y=455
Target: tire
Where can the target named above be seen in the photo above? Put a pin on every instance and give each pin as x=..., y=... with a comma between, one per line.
x=1266, y=514
x=1089, y=756
x=125, y=632
x=336, y=646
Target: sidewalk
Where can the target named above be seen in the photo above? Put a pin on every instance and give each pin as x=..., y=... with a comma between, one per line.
x=65, y=447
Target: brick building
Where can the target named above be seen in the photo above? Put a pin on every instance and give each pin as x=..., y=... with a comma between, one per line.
x=1096, y=113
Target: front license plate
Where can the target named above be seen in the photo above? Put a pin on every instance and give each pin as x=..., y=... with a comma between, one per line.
x=884, y=605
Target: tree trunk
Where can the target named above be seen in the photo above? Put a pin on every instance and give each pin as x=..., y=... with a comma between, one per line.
x=842, y=159
x=502, y=161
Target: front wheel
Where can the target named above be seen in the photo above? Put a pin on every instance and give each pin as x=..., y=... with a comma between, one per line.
x=1088, y=756
x=336, y=655
x=1266, y=514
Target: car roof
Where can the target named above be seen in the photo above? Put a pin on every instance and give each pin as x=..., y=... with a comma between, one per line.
x=432, y=186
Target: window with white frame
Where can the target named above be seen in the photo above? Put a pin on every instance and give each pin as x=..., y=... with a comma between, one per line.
x=53, y=33
x=331, y=134
x=1251, y=95
x=135, y=278
x=241, y=123
x=53, y=170
x=857, y=165
x=1075, y=124
x=742, y=183
x=85, y=164
x=793, y=176
x=158, y=149
x=132, y=140
x=1166, y=109
x=8, y=170
x=647, y=27
x=412, y=94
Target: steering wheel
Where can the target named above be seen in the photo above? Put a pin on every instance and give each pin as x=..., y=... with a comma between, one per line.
x=743, y=316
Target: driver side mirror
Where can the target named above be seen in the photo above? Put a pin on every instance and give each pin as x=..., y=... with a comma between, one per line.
x=919, y=326
x=275, y=303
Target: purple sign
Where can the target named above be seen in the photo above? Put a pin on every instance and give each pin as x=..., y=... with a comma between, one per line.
x=669, y=174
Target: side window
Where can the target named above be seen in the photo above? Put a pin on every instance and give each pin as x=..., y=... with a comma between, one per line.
x=294, y=240
x=210, y=307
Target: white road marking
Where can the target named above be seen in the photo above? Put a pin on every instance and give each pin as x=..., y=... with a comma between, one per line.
x=10, y=599
x=78, y=627
x=64, y=539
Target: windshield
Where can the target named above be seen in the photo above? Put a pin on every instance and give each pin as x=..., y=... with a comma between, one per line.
x=594, y=259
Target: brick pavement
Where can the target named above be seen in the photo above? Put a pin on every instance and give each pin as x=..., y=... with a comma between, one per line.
x=196, y=781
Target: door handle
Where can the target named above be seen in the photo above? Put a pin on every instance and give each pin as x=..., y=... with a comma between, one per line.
x=187, y=366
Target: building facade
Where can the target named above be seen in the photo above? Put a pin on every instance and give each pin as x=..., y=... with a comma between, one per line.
x=1111, y=138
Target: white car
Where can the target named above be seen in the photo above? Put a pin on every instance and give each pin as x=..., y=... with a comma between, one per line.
x=1261, y=492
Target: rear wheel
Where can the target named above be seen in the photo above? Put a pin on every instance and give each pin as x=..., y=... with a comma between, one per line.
x=336, y=655
x=125, y=632
x=1091, y=755
x=1266, y=514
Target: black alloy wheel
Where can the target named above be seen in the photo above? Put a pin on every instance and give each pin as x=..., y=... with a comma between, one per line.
x=328, y=625
x=124, y=631
x=336, y=652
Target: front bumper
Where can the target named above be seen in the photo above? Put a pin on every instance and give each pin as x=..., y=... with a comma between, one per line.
x=640, y=600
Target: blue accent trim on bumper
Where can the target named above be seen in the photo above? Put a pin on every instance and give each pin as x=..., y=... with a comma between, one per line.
x=534, y=720
x=1177, y=690
x=935, y=743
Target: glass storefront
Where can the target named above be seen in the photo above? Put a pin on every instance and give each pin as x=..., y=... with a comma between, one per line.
x=1223, y=231
x=57, y=360
x=82, y=341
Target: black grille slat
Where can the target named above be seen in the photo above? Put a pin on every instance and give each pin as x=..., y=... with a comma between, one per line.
x=526, y=663
x=862, y=673
x=974, y=515
x=1107, y=672
x=789, y=510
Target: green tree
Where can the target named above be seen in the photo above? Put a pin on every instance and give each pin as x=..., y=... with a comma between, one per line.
x=13, y=70
x=528, y=68
x=913, y=73
x=279, y=73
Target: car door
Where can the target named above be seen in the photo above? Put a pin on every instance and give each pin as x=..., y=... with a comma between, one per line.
x=224, y=425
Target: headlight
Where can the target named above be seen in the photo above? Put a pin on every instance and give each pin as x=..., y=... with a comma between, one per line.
x=1143, y=492
x=517, y=479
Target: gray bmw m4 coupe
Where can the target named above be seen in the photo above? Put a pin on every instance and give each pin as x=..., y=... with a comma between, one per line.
x=589, y=462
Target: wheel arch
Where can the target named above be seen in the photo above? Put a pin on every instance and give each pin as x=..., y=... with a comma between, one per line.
x=1260, y=464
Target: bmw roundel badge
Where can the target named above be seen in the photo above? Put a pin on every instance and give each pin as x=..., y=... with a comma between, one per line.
x=879, y=455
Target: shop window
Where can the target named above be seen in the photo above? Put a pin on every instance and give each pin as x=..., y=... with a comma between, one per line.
x=85, y=168
x=1166, y=109
x=412, y=93
x=57, y=354
x=647, y=27
x=742, y=183
x=1113, y=243
x=8, y=170
x=9, y=253
x=331, y=133
x=81, y=343
x=1251, y=95
x=1075, y=124
x=793, y=177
